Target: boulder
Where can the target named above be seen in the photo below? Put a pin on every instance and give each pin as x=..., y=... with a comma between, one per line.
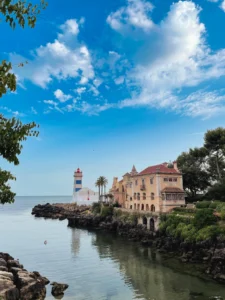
x=58, y=288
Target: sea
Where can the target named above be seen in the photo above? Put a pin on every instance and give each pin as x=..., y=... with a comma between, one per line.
x=97, y=265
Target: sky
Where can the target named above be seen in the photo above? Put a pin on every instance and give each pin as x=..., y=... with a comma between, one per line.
x=111, y=84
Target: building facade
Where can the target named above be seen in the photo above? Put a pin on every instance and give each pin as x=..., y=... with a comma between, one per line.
x=157, y=188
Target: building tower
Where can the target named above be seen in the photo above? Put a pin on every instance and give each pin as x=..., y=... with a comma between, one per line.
x=77, y=181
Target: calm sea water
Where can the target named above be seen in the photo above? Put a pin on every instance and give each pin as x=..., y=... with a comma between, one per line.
x=96, y=265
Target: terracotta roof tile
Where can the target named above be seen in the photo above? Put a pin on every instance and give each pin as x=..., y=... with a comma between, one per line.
x=159, y=169
x=172, y=190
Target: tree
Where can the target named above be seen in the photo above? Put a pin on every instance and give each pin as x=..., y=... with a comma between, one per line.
x=193, y=165
x=12, y=131
x=215, y=145
x=97, y=184
x=101, y=184
x=204, y=217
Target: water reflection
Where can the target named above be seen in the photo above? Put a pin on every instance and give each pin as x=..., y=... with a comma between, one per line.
x=75, y=244
x=143, y=269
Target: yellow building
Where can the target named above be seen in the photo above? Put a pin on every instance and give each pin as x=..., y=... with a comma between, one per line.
x=157, y=188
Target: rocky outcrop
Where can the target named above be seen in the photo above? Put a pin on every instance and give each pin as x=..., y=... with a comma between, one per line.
x=58, y=288
x=58, y=211
x=17, y=283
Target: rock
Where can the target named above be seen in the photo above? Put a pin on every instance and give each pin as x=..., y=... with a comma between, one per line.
x=58, y=288
x=3, y=263
x=17, y=283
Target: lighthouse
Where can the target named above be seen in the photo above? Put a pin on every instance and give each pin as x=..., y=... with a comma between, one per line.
x=77, y=181
x=82, y=195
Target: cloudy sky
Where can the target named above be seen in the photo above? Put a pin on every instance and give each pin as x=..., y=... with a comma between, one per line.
x=114, y=83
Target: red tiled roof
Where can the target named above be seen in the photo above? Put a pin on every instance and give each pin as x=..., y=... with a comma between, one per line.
x=159, y=169
x=172, y=190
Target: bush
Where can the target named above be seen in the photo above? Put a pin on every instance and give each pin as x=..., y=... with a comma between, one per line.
x=220, y=207
x=203, y=204
x=209, y=232
x=96, y=208
x=213, y=205
x=184, y=210
x=204, y=217
x=116, y=204
x=107, y=211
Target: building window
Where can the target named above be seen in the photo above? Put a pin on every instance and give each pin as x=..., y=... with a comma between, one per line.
x=78, y=181
x=142, y=207
x=170, y=179
x=165, y=179
x=136, y=182
x=135, y=206
x=151, y=180
x=175, y=179
x=135, y=196
x=130, y=206
x=144, y=196
x=152, y=196
x=147, y=207
x=143, y=181
x=152, y=207
x=168, y=196
x=130, y=198
x=138, y=206
x=138, y=196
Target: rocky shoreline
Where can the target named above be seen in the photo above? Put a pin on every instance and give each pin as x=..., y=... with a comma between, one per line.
x=18, y=283
x=209, y=254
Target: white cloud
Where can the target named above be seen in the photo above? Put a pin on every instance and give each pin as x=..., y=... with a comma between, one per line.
x=175, y=56
x=61, y=59
x=80, y=90
x=33, y=110
x=223, y=5
x=87, y=108
x=119, y=80
x=61, y=96
x=51, y=102
x=135, y=14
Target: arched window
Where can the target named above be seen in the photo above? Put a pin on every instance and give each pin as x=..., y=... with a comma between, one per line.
x=130, y=206
x=152, y=196
x=152, y=207
x=152, y=224
x=144, y=196
x=144, y=220
x=142, y=207
x=138, y=196
x=135, y=196
x=138, y=206
x=135, y=206
x=147, y=207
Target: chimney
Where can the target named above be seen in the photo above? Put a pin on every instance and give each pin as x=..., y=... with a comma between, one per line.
x=175, y=165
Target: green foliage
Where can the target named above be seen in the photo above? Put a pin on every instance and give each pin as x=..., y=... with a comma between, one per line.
x=220, y=207
x=204, y=217
x=184, y=210
x=202, y=227
x=222, y=215
x=12, y=131
x=213, y=205
x=203, y=204
x=209, y=232
x=116, y=204
x=21, y=12
x=195, y=178
x=217, y=191
x=215, y=145
x=96, y=208
x=106, y=211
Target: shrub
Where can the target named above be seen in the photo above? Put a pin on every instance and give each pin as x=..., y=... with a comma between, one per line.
x=204, y=217
x=116, y=204
x=209, y=232
x=222, y=215
x=213, y=205
x=203, y=204
x=96, y=208
x=220, y=207
x=184, y=210
x=107, y=211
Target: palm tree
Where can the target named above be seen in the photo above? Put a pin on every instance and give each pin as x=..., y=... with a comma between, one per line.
x=101, y=184
x=97, y=184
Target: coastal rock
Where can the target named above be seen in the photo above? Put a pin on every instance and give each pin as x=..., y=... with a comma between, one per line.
x=58, y=288
x=17, y=283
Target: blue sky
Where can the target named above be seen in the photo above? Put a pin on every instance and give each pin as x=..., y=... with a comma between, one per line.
x=112, y=84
